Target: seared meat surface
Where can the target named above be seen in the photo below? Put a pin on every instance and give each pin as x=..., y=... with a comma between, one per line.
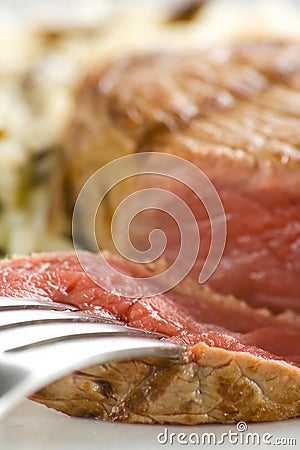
x=234, y=112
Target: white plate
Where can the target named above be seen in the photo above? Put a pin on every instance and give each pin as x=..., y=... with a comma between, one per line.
x=34, y=427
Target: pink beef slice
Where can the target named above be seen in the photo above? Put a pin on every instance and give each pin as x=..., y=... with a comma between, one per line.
x=234, y=112
x=240, y=363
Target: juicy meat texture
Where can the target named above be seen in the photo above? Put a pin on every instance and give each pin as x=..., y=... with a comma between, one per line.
x=188, y=313
x=234, y=112
x=228, y=342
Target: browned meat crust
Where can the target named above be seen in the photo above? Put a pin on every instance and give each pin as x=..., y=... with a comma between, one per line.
x=216, y=386
x=134, y=98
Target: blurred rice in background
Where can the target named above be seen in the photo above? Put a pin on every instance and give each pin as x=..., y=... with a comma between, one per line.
x=45, y=50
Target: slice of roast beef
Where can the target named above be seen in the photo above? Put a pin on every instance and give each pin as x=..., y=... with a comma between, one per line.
x=241, y=363
x=234, y=112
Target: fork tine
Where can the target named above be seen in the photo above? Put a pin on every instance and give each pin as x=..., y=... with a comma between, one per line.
x=26, y=327
x=49, y=330
x=8, y=303
x=15, y=318
x=32, y=307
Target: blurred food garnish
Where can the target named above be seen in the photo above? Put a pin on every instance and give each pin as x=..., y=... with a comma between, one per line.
x=187, y=11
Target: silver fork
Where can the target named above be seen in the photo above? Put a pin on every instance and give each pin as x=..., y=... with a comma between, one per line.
x=41, y=342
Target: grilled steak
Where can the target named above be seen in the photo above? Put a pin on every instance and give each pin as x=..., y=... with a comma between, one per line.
x=234, y=112
x=241, y=363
